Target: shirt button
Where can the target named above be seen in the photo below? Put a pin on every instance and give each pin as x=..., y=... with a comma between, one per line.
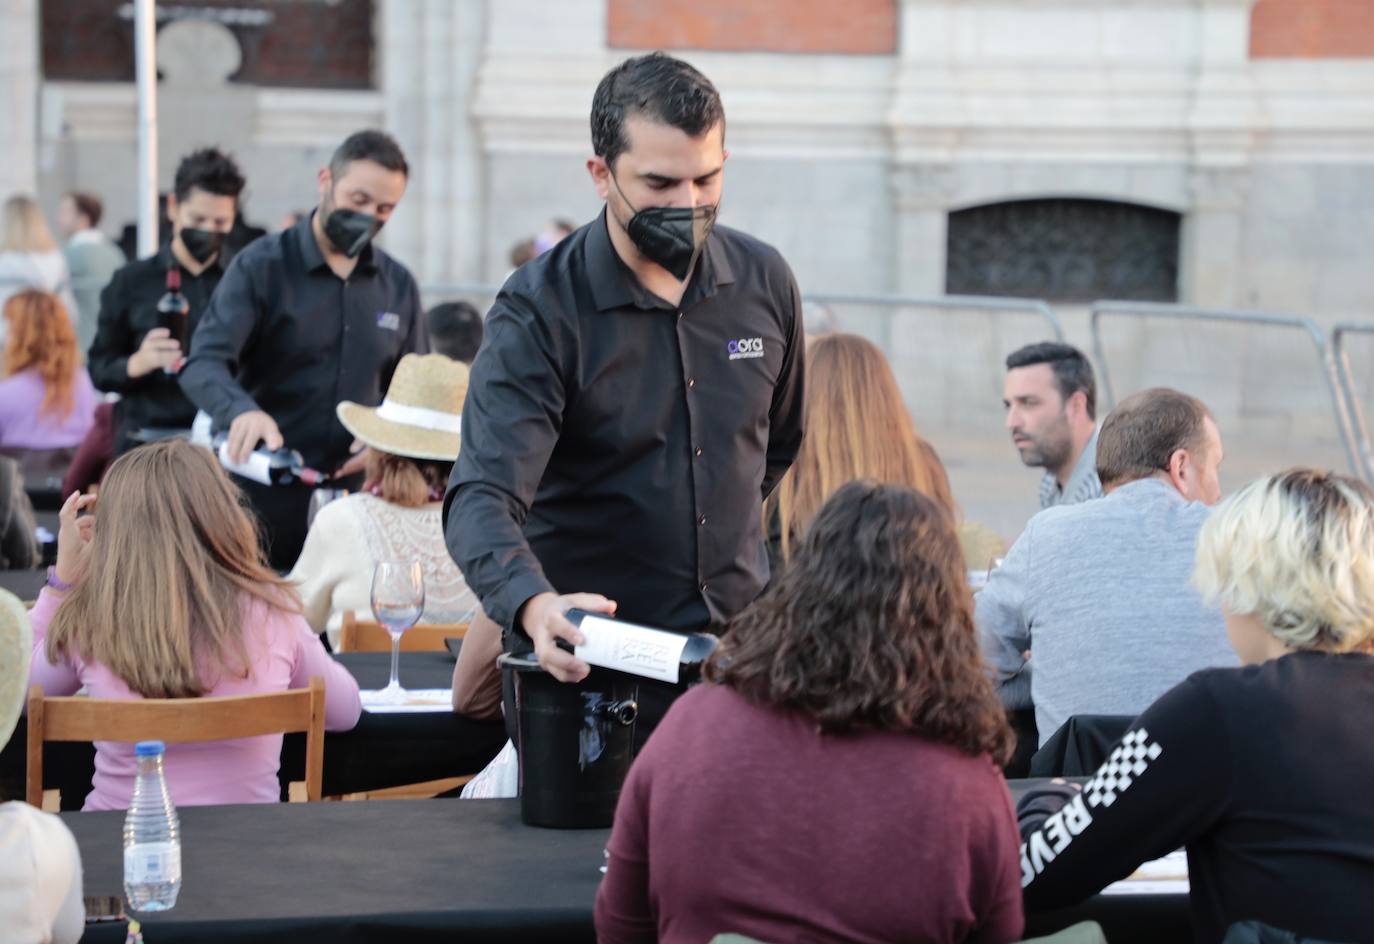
x=701, y=520
x=703, y=588
x=698, y=452
x=679, y=316
x=691, y=381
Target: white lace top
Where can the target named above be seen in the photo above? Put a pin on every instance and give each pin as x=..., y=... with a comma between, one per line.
x=348, y=538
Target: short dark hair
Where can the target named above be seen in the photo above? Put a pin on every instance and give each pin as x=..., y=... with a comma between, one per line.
x=870, y=627
x=1146, y=428
x=369, y=145
x=88, y=205
x=658, y=87
x=208, y=169
x=1072, y=370
x=455, y=330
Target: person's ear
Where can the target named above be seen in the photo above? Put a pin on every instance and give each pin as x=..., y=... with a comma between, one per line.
x=1078, y=405
x=1181, y=471
x=601, y=176
x=323, y=181
x=171, y=207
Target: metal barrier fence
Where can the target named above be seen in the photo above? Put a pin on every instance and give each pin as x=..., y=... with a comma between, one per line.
x=1345, y=377
x=1264, y=360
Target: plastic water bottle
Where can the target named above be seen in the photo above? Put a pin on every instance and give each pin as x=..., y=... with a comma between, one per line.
x=152, y=836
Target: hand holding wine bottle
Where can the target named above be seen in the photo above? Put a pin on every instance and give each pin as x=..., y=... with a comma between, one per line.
x=543, y=621
x=158, y=351
x=250, y=428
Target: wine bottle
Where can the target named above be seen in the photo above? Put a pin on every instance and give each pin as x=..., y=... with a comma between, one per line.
x=268, y=466
x=174, y=314
x=639, y=650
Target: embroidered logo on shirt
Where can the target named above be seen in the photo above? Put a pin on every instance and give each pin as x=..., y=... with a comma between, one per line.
x=1127, y=762
x=389, y=320
x=745, y=348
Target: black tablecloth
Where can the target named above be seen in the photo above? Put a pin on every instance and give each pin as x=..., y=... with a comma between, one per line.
x=384, y=750
x=425, y=870
x=384, y=871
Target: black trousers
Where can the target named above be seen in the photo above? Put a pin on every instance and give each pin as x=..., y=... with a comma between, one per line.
x=282, y=511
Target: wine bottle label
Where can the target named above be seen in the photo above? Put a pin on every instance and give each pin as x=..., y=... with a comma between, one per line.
x=152, y=863
x=610, y=644
x=257, y=467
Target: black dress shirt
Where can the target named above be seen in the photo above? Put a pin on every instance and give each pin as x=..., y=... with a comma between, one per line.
x=615, y=444
x=128, y=311
x=285, y=335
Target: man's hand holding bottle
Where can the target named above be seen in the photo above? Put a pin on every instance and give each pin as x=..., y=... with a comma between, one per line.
x=158, y=351
x=543, y=621
x=247, y=430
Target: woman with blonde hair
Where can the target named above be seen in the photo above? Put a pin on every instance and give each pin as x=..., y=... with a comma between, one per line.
x=164, y=594
x=29, y=256
x=47, y=400
x=857, y=427
x=412, y=438
x=1261, y=772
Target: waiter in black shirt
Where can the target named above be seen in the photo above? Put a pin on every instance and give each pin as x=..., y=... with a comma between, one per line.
x=637, y=394
x=133, y=353
x=303, y=320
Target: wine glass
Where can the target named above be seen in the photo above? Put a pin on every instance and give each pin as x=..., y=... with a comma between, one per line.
x=398, y=599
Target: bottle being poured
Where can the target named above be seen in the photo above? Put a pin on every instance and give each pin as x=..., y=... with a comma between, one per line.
x=268, y=466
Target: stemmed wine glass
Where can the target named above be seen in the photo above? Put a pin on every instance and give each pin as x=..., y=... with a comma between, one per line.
x=398, y=599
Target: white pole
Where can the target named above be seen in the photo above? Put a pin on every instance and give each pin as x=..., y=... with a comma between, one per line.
x=145, y=70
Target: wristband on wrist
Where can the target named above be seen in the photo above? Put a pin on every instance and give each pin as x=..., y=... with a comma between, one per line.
x=56, y=582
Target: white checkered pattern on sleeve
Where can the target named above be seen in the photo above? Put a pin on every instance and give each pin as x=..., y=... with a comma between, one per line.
x=1128, y=761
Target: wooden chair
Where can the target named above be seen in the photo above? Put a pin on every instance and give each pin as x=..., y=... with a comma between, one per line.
x=366, y=636
x=177, y=721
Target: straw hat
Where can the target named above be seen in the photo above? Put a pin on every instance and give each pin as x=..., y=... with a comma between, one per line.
x=422, y=414
x=16, y=646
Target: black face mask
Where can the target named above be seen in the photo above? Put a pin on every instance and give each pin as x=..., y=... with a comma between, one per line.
x=673, y=237
x=348, y=230
x=202, y=244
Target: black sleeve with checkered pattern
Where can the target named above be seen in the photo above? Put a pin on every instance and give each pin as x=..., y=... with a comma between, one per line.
x=1165, y=783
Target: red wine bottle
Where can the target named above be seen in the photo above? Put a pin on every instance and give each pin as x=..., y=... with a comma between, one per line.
x=174, y=314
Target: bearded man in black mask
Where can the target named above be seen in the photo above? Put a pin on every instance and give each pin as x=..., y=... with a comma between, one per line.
x=134, y=353
x=637, y=394
x=303, y=320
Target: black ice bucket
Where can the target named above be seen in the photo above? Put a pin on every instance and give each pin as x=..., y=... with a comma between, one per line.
x=575, y=743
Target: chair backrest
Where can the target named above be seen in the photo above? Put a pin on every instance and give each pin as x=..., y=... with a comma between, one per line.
x=367, y=636
x=177, y=721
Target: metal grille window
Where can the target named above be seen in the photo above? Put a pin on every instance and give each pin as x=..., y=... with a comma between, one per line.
x=1066, y=250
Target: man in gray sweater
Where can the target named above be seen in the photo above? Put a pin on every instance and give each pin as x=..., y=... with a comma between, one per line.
x=1100, y=592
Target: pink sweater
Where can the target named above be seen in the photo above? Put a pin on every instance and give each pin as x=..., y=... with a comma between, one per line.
x=285, y=654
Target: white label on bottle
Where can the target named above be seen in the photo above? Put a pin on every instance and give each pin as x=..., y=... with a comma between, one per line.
x=257, y=467
x=152, y=863
x=651, y=653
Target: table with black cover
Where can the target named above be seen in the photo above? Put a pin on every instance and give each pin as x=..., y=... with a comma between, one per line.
x=384, y=750
x=424, y=870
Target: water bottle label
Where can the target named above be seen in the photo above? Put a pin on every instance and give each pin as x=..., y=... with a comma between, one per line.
x=152, y=863
x=651, y=653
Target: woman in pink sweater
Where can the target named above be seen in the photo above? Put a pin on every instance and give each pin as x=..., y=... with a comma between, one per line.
x=838, y=781
x=165, y=595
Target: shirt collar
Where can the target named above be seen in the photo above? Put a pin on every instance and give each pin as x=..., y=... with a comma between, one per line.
x=614, y=285
x=310, y=250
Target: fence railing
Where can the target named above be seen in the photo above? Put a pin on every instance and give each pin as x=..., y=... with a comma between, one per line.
x=1345, y=377
x=1324, y=362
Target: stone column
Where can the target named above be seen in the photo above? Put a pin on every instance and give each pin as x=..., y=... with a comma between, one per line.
x=428, y=54
x=922, y=194
x=19, y=76
x=1209, y=271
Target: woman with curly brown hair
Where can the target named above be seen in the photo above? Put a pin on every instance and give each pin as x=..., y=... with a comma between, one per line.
x=838, y=779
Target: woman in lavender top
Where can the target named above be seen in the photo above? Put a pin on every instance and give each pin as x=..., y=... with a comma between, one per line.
x=46, y=398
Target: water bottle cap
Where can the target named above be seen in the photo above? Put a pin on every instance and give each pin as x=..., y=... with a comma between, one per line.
x=149, y=749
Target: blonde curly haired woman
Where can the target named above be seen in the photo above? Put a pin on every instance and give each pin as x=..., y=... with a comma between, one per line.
x=1262, y=772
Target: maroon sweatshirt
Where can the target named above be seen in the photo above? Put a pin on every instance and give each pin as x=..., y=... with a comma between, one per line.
x=738, y=818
